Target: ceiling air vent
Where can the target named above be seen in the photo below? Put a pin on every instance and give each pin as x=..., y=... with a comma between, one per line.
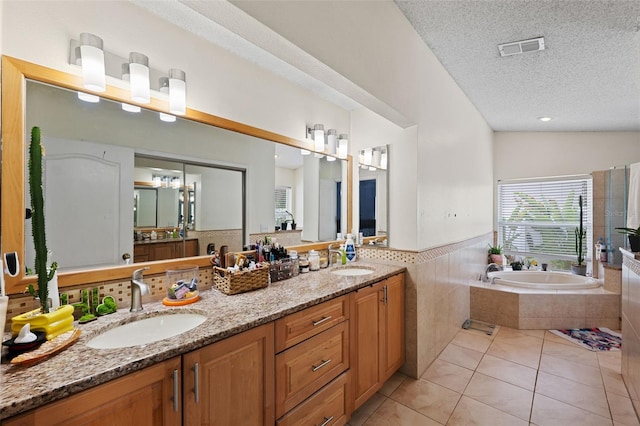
x=517, y=47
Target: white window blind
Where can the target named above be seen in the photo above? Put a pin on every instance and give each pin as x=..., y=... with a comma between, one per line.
x=540, y=217
x=282, y=203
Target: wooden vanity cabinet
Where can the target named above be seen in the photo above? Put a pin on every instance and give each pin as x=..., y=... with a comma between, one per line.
x=231, y=382
x=377, y=334
x=145, y=397
x=164, y=249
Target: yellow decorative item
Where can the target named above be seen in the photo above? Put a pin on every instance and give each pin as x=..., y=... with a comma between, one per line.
x=53, y=324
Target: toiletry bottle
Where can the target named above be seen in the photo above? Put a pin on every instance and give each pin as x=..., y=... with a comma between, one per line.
x=344, y=254
x=314, y=260
x=350, y=248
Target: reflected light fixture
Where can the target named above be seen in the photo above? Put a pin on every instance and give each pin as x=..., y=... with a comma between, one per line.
x=167, y=118
x=139, y=78
x=318, y=137
x=157, y=181
x=545, y=118
x=93, y=71
x=305, y=151
x=376, y=158
x=175, y=182
x=343, y=141
x=368, y=154
x=317, y=155
x=177, y=92
x=384, y=160
x=86, y=97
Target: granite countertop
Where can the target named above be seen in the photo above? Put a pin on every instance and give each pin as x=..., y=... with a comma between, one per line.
x=79, y=367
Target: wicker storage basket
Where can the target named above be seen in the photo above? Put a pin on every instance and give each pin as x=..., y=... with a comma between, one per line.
x=239, y=282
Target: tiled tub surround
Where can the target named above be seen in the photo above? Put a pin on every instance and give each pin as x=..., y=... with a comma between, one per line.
x=531, y=309
x=80, y=367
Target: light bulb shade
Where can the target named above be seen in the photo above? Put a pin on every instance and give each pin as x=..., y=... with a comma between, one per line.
x=126, y=74
x=139, y=72
x=177, y=91
x=130, y=108
x=175, y=182
x=93, y=71
x=368, y=156
x=318, y=137
x=330, y=158
x=360, y=157
x=168, y=118
x=157, y=181
x=305, y=152
x=384, y=160
x=343, y=145
x=332, y=139
x=86, y=97
x=315, y=154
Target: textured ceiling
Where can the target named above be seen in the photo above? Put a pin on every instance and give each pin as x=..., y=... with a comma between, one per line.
x=587, y=78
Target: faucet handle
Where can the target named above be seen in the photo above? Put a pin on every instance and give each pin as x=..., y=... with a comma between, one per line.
x=137, y=274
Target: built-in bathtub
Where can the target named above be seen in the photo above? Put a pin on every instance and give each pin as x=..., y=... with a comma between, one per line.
x=544, y=300
x=543, y=280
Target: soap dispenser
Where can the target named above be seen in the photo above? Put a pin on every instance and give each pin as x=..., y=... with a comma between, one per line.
x=350, y=248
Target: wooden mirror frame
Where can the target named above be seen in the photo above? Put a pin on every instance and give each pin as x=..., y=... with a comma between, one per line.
x=12, y=197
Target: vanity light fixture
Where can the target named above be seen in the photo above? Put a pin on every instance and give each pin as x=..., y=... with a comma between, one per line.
x=157, y=181
x=93, y=70
x=177, y=91
x=86, y=97
x=139, y=77
x=384, y=160
x=545, y=118
x=332, y=139
x=167, y=118
x=175, y=182
x=304, y=151
x=343, y=141
x=318, y=137
x=318, y=155
x=164, y=88
x=376, y=158
x=126, y=76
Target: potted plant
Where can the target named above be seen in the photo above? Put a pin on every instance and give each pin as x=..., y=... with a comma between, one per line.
x=634, y=237
x=580, y=234
x=495, y=254
x=516, y=265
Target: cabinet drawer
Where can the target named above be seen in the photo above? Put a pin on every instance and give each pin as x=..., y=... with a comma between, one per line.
x=327, y=407
x=305, y=368
x=297, y=327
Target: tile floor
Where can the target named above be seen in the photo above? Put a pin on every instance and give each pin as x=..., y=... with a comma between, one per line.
x=515, y=377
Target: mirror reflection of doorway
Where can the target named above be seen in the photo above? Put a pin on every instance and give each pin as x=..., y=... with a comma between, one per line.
x=368, y=207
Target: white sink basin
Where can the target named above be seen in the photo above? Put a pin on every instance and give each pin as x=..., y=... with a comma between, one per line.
x=145, y=331
x=352, y=272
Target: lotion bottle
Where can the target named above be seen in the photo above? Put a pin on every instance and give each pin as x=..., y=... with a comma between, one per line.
x=350, y=248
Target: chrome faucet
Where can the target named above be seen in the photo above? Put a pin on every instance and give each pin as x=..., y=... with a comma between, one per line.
x=138, y=288
x=332, y=252
x=492, y=267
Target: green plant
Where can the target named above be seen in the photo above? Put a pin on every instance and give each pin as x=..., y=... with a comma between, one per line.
x=45, y=274
x=629, y=231
x=292, y=220
x=580, y=234
x=497, y=249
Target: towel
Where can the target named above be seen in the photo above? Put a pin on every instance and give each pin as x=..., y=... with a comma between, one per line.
x=633, y=208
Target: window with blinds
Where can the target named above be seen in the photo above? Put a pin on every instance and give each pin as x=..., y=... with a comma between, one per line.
x=538, y=218
x=282, y=203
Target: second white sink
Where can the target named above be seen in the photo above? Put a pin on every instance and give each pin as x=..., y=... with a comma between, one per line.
x=352, y=272
x=147, y=330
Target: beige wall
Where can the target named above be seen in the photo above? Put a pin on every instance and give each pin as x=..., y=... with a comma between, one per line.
x=538, y=154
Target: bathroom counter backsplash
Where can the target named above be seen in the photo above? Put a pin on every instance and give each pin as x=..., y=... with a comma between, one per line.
x=79, y=367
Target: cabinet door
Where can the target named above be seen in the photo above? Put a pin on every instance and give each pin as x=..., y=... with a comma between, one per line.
x=231, y=382
x=367, y=326
x=393, y=350
x=161, y=251
x=191, y=248
x=145, y=397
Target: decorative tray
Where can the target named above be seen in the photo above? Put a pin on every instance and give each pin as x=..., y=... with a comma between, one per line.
x=48, y=348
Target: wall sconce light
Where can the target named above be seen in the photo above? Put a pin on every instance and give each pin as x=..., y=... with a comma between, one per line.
x=376, y=157
x=318, y=136
x=317, y=155
x=384, y=160
x=93, y=71
x=175, y=182
x=332, y=139
x=167, y=118
x=157, y=181
x=177, y=91
x=343, y=142
x=126, y=76
x=139, y=78
x=164, y=88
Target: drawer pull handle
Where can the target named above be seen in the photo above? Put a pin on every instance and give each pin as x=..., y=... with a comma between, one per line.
x=326, y=421
x=196, y=381
x=315, y=368
x=176, y=391
x=320, y=321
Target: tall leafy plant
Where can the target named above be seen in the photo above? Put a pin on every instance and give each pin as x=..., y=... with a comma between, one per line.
x=45, y=274
x=580, y=235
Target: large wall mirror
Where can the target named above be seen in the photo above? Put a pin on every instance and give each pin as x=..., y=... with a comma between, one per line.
x=192, y=182
x=373, y=193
